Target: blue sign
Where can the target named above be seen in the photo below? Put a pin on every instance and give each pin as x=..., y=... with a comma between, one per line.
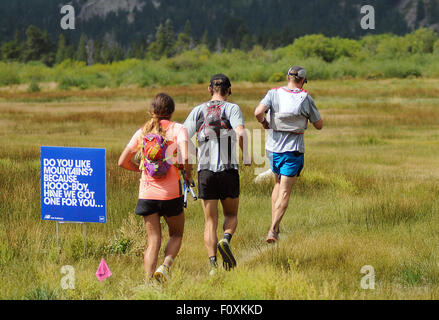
x=73, y=186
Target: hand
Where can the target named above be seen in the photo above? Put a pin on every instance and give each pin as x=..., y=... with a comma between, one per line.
x=265, y=124
x=188, y=178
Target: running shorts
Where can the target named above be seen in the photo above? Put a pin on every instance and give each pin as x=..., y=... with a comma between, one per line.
x=165, y=208
x=289, y=164
x=218, y=185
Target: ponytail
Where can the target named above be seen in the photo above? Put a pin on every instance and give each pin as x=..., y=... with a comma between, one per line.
x=162, y=108
x=153, y=126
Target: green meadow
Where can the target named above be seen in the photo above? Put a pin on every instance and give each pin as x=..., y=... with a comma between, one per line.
x=368, y=196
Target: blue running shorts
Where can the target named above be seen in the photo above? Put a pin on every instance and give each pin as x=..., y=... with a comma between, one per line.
x=289, y=164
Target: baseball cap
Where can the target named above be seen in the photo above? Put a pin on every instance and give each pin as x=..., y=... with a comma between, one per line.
x=298, y=72
x=220, y=80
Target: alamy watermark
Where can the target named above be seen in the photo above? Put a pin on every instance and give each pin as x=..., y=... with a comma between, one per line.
x=253, y=149
x=68, y=20
x=368, y=281
x=68, y=281
x=368, y=20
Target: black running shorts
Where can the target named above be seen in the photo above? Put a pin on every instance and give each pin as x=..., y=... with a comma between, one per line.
x=165, y=208
x=218, y=185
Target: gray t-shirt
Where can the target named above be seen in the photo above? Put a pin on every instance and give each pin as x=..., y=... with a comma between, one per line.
x=281, y=141
x=217, y=154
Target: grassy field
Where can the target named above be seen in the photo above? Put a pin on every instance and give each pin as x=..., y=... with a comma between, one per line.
x=368, y=196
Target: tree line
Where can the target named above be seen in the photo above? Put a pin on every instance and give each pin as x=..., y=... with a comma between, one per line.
x=36, y=45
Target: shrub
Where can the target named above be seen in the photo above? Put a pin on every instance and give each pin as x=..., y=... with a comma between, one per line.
x=394, y=47
x=314, y=46
x=120, y=246
x=8, y=74
x=145, y=81
x=370, y=43
x=328, y=49
x=421, y=41
x=342, y=68
x=401, y=70
x=35, y=72
x=436, y=47
x=258, y=76
x=69, y=64
x=41, y=293
x=289, y=52
x=73, y=81
x=33, y=87
x=346, y=47
x=74, y=248
x=317, y=69
x=257, y=52
x=277, y=77
x=188, y=60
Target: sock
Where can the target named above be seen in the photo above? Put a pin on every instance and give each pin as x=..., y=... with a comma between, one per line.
x=228, y=237
x=168, y=261
x=213, y=261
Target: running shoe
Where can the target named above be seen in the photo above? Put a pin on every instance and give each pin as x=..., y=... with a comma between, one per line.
x=272, y=236
x=161, y=274
x=213, y=267
x=229, y=261
x=212, y=271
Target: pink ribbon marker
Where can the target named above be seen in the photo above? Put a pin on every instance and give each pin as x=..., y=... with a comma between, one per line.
x=103, y=271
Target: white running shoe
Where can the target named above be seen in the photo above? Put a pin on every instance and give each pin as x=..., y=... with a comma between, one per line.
x=264, y=177
x=212, y=271
x=161, y=274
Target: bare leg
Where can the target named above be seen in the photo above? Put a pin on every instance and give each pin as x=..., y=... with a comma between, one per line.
x=210, y=208
x=176, y=228
x=282, y=200
x=152, y=225
x=274, y=196
x=230, y=210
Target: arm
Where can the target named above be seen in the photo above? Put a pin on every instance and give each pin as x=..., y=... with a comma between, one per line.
x=237, y=122
x=260, y=112
x=125, y=160
x=242, y=136
x=188, y=172
x=312, y=113
x=183, y=154
x=191, y=129
x=263, y=107
x=318, y=125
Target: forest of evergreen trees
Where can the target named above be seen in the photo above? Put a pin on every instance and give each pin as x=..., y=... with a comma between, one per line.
x=36, y=45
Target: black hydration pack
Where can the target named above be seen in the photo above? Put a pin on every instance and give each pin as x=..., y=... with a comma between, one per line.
x=211, y=121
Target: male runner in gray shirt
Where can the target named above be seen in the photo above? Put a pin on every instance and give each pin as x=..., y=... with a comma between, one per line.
x=288, y=109
x=218, y=125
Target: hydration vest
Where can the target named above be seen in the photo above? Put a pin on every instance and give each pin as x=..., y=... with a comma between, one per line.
x=212, y=122
x=154, y=158
x=287, y=117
